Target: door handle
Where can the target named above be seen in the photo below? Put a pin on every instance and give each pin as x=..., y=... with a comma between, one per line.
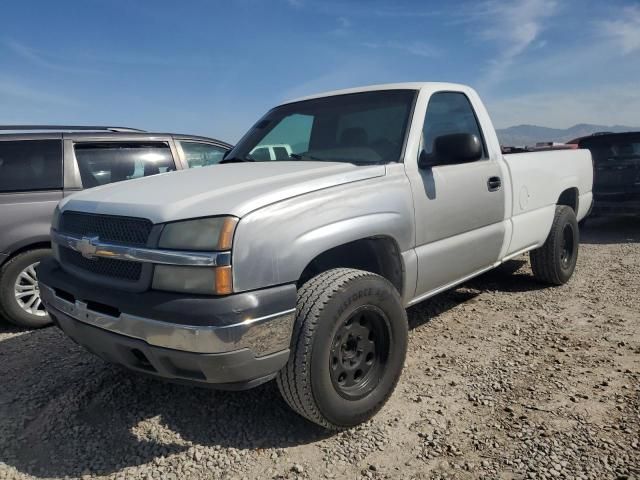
x=494, y=184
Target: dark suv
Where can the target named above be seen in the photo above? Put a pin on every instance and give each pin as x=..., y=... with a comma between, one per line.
x=616, y=180
x=39, y=165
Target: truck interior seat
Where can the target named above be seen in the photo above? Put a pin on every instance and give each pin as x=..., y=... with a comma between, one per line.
x=354, y=137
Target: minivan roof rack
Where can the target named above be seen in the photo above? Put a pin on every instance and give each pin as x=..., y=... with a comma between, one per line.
x=70, y=128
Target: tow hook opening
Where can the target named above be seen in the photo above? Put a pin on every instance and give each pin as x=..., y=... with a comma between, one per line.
x=143, y=361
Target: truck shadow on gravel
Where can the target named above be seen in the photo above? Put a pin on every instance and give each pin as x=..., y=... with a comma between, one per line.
x=512, y=276
x=64, y=412
x=607, y=230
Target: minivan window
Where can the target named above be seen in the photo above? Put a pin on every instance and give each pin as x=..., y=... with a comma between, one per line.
x=102, y=163
x=447, y=113
x=27, y=165
x=198, y=154
x=359, y=128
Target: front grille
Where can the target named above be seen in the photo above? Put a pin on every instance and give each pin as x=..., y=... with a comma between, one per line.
x=109, y=228
x=108, y=267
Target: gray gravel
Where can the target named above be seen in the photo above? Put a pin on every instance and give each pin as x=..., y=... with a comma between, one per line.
x=504, y=379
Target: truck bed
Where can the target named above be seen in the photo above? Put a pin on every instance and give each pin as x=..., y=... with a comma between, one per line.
x=538, y=180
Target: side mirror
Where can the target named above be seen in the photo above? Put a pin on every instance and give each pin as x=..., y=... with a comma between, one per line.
x=452, y=148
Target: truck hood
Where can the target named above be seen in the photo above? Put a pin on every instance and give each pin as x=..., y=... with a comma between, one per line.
x=229, y=189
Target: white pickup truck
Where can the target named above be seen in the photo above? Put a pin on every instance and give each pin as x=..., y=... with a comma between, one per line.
x=300, y=268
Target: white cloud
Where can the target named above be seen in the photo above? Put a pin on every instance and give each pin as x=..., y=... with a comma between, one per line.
x=336, y=75
x=625, y=31
x=515, y=26
x=344, y=22
x=344, y=25
x=38, y=59
x=403, y=11
x=611, y=105
x=420, y=49
x=12, y=89
x=28, y=53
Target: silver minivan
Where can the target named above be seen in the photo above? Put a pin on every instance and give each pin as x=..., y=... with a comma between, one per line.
x=41, y=164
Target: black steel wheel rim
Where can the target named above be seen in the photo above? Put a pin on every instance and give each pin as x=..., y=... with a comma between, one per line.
x=359, y=352
x=566, y=254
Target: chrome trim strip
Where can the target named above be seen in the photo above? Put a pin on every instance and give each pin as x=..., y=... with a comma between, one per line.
x=92, y=247
x=262, y=335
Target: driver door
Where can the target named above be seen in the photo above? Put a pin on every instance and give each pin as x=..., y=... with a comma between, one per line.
x=459, y=211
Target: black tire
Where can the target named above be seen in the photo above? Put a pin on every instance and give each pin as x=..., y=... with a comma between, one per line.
x=335, y=308
x=555, y=261
x=10, y=309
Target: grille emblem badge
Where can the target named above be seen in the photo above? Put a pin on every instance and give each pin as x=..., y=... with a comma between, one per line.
x=87, y=247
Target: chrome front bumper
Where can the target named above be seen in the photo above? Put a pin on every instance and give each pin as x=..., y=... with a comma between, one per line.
x=262, y=335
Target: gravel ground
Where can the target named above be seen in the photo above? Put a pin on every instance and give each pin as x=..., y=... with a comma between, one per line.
x=504, y=379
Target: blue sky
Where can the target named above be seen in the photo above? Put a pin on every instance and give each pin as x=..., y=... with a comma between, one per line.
x=214, y=67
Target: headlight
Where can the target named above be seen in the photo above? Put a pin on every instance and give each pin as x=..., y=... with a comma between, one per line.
x=206, y=234
x=202, y=234
x=201, y=280
x=55, y=220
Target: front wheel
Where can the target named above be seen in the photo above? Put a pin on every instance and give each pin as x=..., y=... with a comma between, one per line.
x=555, y=261
x=348, y=348
x=20, y=300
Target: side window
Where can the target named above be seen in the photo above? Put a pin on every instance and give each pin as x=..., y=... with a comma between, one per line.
x=27, y=165
x=102, y=163
x=200, y=154
x=291, y=135
x=449, y=112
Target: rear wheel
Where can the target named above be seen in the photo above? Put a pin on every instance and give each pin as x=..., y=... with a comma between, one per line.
x=555, y=261
x=20, y=301
x=348, y=348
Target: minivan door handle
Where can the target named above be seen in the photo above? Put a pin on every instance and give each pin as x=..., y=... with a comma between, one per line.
x=494, y=184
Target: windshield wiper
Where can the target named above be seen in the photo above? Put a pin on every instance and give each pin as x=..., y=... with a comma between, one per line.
x=316, y=159
x=297, y=156
x=236, y=160
x=364, y=162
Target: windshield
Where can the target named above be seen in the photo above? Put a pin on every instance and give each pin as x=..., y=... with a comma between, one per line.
x=360, y=128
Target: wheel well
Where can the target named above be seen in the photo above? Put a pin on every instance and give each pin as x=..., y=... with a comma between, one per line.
x=569, y=198
x=25, y=248
x=379, y=255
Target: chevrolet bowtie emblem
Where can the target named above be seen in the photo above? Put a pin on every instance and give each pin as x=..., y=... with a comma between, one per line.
x=87, y=246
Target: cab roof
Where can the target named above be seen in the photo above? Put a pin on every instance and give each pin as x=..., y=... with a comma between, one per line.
x=386, y=86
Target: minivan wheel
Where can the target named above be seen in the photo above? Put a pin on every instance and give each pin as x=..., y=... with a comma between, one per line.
x=555, y=261
x=20, y=301
x=347, y=350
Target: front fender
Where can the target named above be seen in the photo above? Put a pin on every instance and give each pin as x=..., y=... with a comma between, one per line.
x=273, y=245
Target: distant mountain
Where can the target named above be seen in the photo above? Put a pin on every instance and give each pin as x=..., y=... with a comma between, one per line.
x=521, y=135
